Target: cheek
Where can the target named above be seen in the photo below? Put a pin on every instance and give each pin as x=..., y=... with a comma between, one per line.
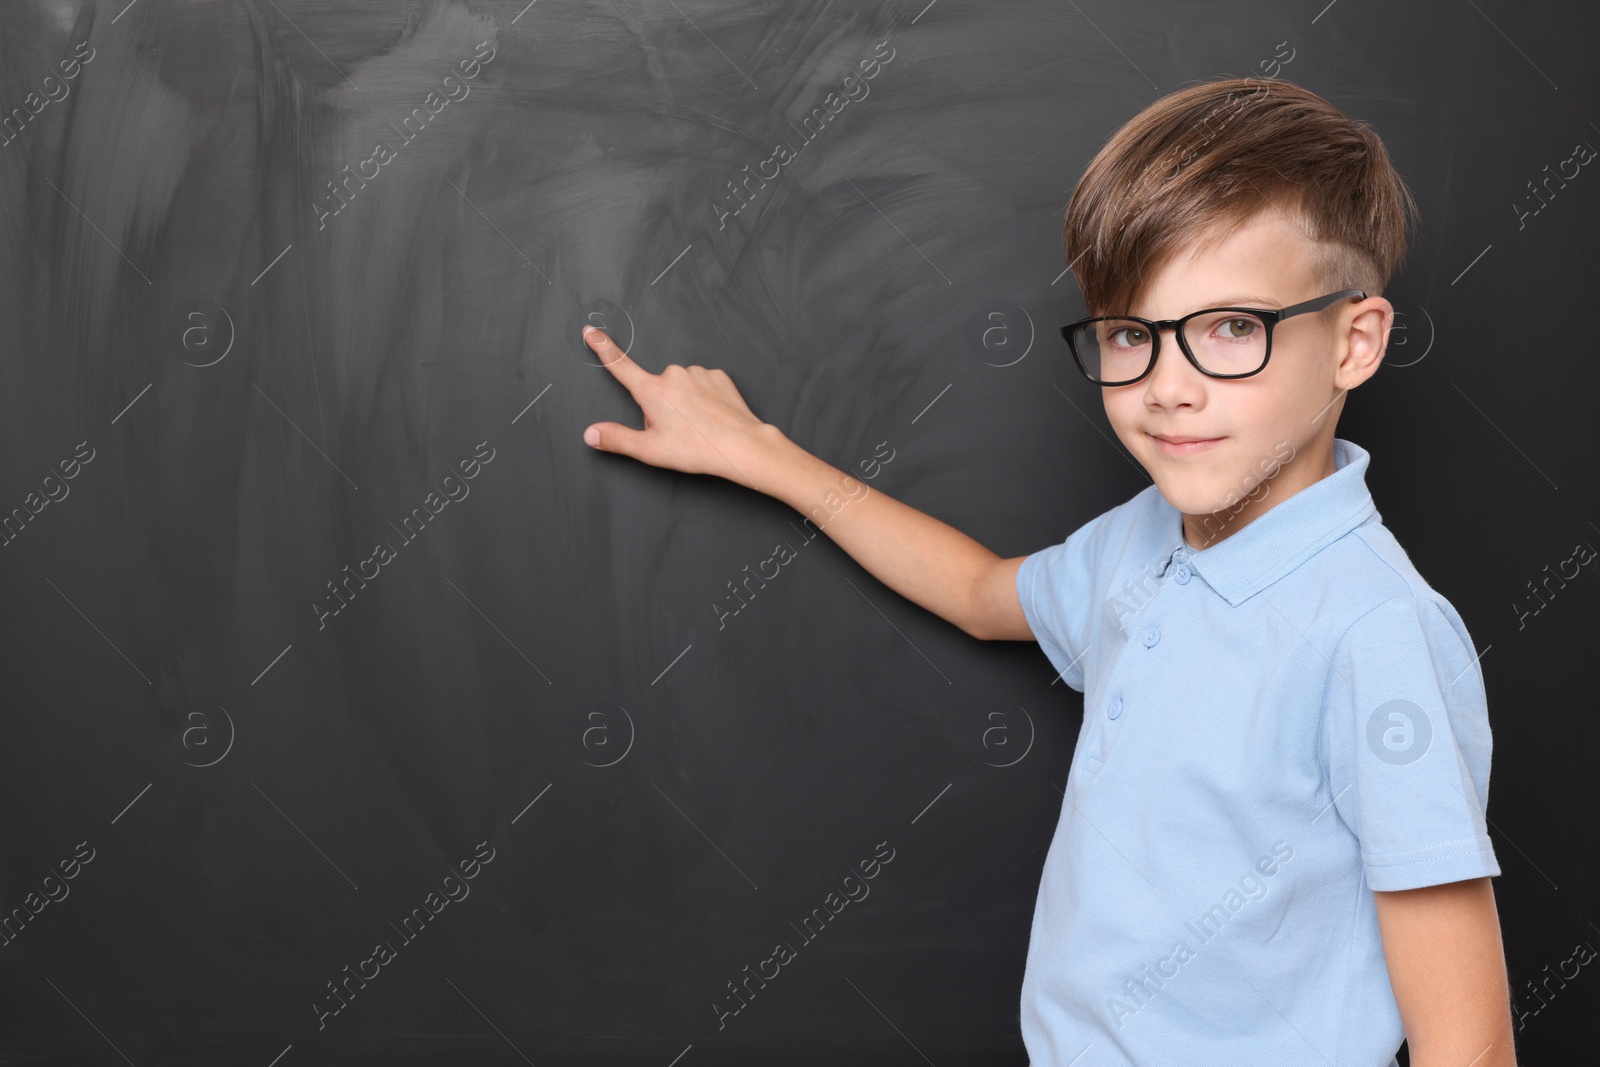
x=1122, y=410
x=1313, y=369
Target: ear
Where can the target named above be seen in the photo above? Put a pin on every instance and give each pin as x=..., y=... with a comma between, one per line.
x=1364, y=335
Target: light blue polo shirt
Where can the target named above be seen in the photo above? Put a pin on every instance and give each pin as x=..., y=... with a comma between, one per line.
x=1273, y=727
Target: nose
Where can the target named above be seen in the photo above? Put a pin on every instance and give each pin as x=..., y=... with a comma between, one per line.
x=1173, y=372
x=1168, y=348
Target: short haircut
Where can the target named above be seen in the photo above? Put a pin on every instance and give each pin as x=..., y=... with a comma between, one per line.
x=1203, y=160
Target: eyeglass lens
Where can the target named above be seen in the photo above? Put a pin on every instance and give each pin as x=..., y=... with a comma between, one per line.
x=1224, y=342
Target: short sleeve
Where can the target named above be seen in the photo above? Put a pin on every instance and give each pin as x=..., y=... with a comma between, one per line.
x=1056, y=589
x=1407, y=745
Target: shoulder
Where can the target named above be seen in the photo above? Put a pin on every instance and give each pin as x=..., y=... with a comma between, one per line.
x=1384, y=589
x=1061, y=588
x=1399, y=646
x=1091, y=558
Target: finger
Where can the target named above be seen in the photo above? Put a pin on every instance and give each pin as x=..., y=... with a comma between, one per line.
x=613, y=437
x=618, y=362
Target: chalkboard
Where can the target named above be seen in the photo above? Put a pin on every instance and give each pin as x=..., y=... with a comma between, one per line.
x=357, y=711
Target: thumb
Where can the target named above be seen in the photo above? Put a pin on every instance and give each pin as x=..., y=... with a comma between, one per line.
x=613, y=437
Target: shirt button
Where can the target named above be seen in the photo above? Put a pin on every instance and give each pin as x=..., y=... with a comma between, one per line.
x=1151, y=636
x=1114, y=709
x=1182, y=575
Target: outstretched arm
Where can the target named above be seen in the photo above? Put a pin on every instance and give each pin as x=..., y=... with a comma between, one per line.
x=696, y=421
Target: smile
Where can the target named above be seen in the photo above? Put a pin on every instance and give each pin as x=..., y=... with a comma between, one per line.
x=1187, y=448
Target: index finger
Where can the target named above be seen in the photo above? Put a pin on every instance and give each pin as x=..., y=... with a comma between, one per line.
x=614, y=359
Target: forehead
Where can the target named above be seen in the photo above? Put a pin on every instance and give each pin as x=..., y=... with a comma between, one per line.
x=1266, y=257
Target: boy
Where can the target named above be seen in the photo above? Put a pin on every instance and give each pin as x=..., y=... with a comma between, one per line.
x=1272, y=847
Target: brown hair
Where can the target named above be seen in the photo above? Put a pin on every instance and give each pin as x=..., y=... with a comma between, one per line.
x=1208, y=157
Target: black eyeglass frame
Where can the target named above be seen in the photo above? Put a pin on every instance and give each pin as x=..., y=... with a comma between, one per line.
x=1155, y=326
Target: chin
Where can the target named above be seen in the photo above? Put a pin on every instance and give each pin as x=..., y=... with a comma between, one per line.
x=1195, y=497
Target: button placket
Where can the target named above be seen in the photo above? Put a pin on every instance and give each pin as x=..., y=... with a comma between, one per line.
x=1146, y=635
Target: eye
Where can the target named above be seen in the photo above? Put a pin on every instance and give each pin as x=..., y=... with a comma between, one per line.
x=1136, y=337
x=1239, y=329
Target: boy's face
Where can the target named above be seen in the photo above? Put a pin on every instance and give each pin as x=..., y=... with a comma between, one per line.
x=1274, y=431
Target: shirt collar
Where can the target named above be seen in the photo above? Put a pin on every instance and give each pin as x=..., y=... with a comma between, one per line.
x=1285, y=536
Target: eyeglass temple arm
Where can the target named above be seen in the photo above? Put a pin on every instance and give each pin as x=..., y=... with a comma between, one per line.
x=1321, y=302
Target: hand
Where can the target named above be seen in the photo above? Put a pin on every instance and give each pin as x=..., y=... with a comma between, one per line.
x=694, y=419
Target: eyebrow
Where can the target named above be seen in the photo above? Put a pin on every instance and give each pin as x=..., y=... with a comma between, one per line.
x=1240, y=300
x=1243, y=298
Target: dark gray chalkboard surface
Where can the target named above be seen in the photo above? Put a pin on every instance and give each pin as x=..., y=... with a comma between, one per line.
x=356, y=711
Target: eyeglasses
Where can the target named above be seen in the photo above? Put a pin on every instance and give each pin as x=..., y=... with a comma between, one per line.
x=1231, y=342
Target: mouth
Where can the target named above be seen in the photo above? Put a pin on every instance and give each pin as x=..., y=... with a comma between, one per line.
x=1176, y=445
